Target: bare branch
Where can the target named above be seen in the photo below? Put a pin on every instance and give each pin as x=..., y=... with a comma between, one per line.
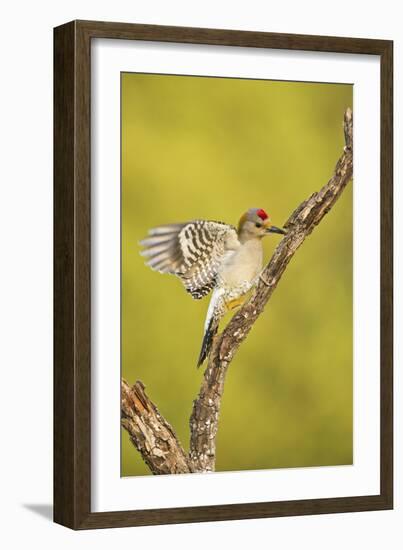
x=206, y=408
x=150, y=433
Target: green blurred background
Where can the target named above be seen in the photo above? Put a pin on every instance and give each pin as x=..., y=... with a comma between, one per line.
x=197, y=147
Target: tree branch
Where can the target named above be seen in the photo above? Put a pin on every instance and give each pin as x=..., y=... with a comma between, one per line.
x=150, y=433
x=206, y=408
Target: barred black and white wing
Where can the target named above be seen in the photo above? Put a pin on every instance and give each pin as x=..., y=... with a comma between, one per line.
x=193, y=251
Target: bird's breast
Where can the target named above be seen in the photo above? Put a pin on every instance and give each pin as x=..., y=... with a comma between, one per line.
x=243, y=265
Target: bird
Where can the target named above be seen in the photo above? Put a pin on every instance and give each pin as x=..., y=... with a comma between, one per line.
x=212, y=256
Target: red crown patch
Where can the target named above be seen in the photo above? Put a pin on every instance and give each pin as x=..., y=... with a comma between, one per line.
x=262, y=214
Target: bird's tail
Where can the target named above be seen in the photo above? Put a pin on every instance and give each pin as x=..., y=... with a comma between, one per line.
x=209, y=334
x=213, y=317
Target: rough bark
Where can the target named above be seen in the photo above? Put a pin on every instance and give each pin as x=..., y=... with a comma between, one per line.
x=301, y=223
x=150, y=433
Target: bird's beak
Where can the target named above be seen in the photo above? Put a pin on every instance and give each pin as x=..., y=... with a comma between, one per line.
x=274, y=229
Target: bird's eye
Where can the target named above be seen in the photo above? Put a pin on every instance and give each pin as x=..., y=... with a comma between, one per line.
x=258, y=224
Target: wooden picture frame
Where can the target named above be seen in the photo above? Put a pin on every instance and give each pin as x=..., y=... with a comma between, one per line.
x=72, y=271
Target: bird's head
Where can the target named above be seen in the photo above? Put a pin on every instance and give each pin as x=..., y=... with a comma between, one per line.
x=255, y=223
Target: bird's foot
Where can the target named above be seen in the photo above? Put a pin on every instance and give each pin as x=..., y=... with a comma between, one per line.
x=233, y=304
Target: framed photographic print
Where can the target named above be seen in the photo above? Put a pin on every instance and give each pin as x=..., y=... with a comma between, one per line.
x=223, y=284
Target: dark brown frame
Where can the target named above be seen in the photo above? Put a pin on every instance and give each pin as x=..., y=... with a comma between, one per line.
x=72, y=267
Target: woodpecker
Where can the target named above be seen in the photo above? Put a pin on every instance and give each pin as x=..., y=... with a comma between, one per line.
x=211, y=255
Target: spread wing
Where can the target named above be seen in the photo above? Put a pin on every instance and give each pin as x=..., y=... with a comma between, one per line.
x=193, y=251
